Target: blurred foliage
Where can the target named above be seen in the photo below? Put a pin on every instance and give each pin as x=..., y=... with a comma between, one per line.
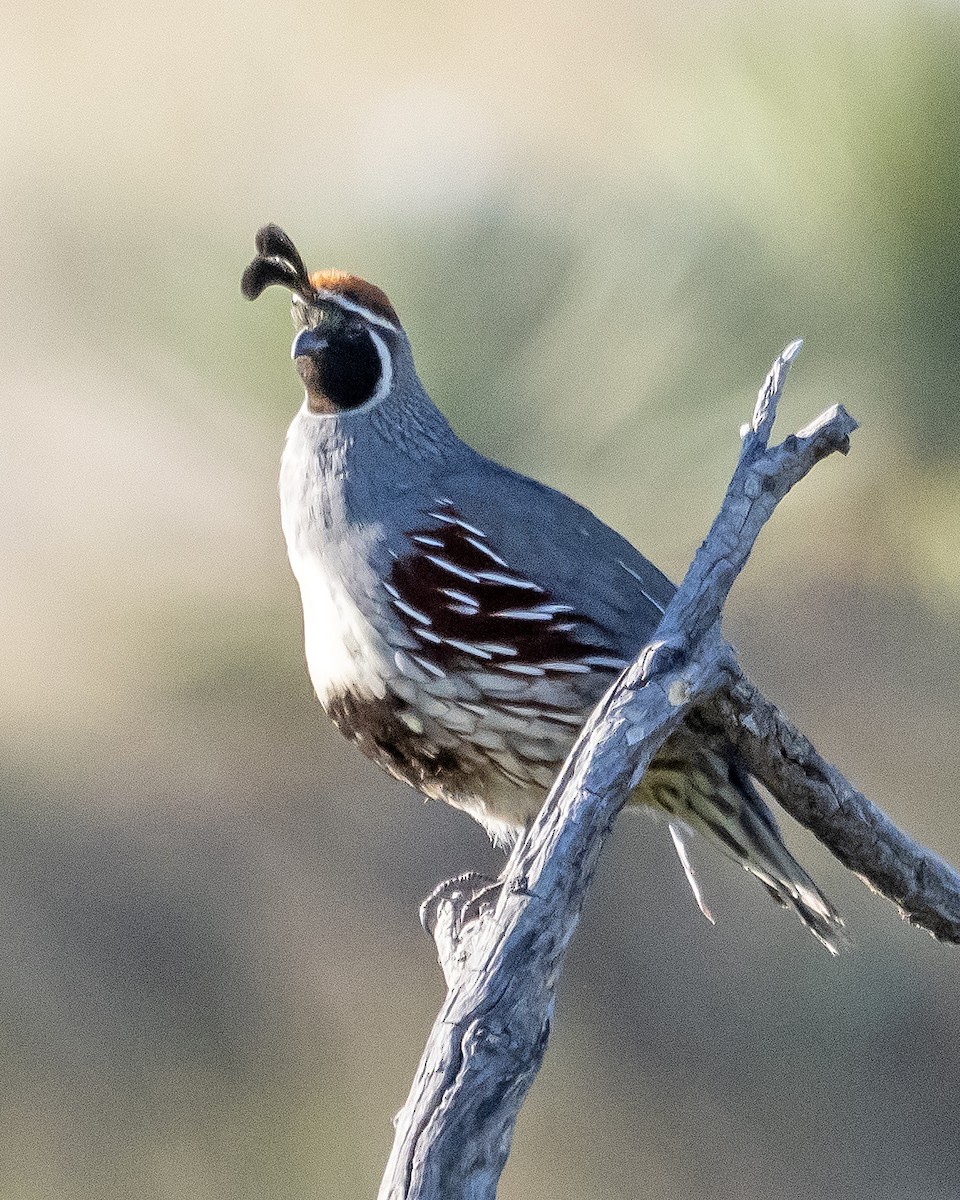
x=599, y=227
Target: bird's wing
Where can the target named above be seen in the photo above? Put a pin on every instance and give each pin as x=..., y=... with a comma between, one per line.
x=558, y=545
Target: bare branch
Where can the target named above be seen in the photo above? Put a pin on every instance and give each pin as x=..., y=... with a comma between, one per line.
x=454, y=1133
x=924, y=887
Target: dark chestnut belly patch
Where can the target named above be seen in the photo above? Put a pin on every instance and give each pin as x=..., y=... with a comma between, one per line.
x=377, y=729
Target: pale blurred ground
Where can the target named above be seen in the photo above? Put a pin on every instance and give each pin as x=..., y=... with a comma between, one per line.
x=599, y=223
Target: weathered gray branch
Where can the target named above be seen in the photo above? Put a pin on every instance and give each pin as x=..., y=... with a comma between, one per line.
x=502, y=949
x=924, y=887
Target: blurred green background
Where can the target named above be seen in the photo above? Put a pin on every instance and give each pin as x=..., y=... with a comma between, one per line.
x=599, y=224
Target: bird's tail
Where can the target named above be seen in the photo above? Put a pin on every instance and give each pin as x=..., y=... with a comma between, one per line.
x=700, y=785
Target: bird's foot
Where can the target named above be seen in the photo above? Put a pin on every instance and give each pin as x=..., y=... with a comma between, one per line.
x=453, y=914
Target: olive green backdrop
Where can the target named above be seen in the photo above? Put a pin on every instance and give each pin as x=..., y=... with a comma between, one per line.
x=599, y=223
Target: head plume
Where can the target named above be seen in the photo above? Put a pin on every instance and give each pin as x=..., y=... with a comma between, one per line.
x=277, y=261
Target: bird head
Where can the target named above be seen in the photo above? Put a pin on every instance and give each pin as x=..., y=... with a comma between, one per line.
x=348, y=333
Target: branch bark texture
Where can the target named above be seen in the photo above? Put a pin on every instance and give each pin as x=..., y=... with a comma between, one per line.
x=502, y=949
x=924, y=887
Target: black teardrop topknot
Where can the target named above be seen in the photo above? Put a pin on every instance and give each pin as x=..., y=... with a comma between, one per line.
x=277, y=261
x=272, y=242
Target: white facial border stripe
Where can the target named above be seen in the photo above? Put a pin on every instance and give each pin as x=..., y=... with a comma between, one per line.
x=386, y=369
x=353, y=307
x=386, y=362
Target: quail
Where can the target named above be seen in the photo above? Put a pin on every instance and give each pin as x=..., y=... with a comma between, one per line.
x=461, y=620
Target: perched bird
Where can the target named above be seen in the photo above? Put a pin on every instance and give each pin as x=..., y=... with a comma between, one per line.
x=461, y=621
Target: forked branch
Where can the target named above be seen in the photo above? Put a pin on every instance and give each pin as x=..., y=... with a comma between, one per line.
x=502, y=948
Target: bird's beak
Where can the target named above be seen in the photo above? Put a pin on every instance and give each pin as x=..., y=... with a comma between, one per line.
x=307, y=343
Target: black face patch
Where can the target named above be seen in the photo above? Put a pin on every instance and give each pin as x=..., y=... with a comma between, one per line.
x=345, y=373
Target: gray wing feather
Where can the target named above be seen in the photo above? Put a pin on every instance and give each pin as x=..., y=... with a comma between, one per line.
x=561, y=545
